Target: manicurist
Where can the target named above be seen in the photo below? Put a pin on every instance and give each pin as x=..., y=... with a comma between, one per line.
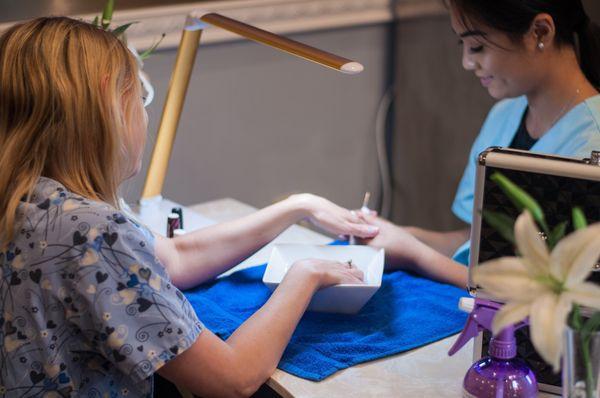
x=541, y=60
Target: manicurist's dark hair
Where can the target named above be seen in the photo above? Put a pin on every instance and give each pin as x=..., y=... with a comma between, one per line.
x=514, y=17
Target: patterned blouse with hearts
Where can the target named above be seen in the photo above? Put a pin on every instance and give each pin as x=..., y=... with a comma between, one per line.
x=86, y=309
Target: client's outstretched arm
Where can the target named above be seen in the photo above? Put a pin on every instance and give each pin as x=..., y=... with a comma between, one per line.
x=444, y=242
x=202, y=255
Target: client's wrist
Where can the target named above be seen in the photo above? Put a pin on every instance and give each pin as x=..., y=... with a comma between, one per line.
x=412, y=249
x=414, y=231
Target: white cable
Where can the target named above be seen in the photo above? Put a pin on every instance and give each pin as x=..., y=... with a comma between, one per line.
x=382, y=157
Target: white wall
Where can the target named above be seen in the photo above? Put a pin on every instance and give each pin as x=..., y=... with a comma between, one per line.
x=258, y=124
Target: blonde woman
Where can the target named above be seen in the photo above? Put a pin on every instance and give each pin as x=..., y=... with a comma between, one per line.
x=89, y=300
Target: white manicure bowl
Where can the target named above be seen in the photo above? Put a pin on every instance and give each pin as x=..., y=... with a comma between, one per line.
x=344, y=298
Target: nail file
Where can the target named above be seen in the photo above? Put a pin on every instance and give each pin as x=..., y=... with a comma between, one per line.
x=364, y=210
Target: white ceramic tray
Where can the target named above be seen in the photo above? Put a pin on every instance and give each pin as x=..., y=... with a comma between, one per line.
x=344, y=298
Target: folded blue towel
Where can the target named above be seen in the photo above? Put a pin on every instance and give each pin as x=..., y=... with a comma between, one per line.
x=405, y=313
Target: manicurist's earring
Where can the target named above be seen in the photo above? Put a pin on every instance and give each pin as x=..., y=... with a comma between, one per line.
x=541, y=46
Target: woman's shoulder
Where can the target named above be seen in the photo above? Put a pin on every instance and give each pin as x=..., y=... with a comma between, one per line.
x=53, y=214
x=583, y=128
x=50, y=194
x=593, y=106
x=60, y=230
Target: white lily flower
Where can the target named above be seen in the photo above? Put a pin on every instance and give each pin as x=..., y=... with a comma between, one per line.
x=543, y=285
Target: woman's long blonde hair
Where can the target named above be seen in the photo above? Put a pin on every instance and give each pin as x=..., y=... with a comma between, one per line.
x=67, y=93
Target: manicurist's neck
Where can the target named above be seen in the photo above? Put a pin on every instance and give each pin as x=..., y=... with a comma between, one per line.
x=563, y=87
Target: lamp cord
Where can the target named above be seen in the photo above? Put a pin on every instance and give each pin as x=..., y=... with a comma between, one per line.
x=383, y=111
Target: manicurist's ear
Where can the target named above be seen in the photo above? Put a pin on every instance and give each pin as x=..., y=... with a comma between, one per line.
x=542, y=32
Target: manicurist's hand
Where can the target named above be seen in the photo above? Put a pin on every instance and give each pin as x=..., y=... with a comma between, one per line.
x=326, y=273
x=333, y=218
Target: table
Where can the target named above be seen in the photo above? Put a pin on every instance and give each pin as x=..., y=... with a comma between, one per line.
x=423, y=372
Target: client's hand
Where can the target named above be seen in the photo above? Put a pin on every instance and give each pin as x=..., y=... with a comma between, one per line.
x=327, y=273
x=333, y=218
x=401, y=247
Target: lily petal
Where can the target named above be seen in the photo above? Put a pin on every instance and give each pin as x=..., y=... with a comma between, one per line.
x=585, y=293
x=531, y=245
x=574, y=256
x=507, y=279
x=510, y=314
x=547, y=319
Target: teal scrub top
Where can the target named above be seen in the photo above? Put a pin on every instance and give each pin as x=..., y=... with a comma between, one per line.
x=576, y=134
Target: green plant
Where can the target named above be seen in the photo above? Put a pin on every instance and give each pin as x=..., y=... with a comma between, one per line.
x=505, y=225
x=104, y=22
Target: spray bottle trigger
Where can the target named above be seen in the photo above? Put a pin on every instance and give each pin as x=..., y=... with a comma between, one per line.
x=470, y=331
x=480, y=318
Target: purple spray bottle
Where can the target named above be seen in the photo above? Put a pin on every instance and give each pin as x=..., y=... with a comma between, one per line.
x=500, y=374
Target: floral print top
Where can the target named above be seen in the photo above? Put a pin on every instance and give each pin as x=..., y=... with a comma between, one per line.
x=86, y=309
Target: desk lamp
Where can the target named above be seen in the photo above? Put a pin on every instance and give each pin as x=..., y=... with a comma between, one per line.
x=153, y=209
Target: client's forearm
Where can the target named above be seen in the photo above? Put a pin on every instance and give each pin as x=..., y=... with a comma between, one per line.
x=434, y=265
x=445, y=243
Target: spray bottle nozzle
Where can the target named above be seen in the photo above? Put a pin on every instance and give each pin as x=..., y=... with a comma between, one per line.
x=482, y=312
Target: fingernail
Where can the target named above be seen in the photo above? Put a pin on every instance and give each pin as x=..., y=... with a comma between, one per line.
x=372, y=230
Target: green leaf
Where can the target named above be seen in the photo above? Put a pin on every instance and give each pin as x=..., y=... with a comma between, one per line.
x=146, y=54
x=576, y=320
x=579, y=220
x=502, y=223
x=95, y=21
x=119, y=30
x=521, y=199
x=591, y=325
x=107, y=13
x=557, y=234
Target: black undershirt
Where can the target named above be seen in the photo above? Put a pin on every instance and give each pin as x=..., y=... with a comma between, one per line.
x=522, y=139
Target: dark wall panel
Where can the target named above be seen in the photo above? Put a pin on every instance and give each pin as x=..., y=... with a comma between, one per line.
x=439, y=110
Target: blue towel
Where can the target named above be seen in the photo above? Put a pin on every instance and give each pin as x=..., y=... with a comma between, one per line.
x=405, y=313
